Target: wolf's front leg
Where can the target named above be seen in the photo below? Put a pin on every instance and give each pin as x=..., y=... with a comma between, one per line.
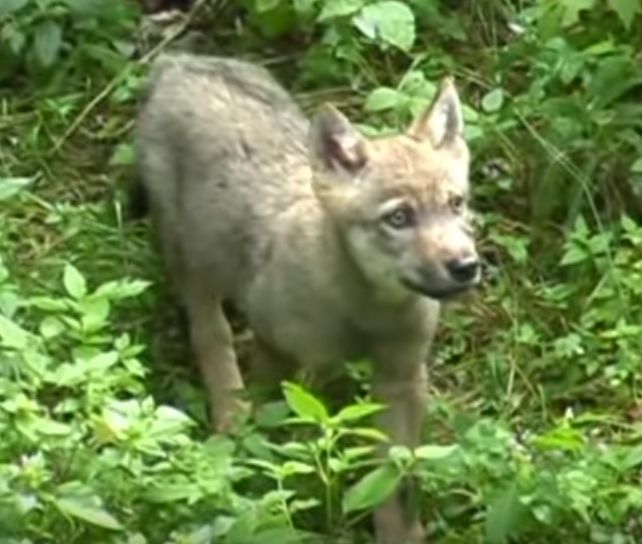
x=403, y=389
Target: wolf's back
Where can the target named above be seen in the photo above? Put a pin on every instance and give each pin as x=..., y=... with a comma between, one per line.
x=222, y=151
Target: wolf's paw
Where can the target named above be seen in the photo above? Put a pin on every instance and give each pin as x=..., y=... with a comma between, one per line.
x=233, y=418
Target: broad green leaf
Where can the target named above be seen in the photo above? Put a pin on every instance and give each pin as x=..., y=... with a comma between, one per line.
x=390, y=21
x=340, y=8
x=636, y=167
x=383, y=98
x=168, y=422
x=94, y=310
x=574, y=255
x=571, y=10
x=122, y=289
x=12, y=335
x=626, y=10
x=179, y=489
x=124, y=155
x=431, y=452
x=87, y=9
x=9, y=6
x=368, y=432
x=373, y=489
x=47, y=42
x=89, y=510
x=493, y=100
x=101, y=362
x=563, y=437
x=51, y=327
x=272, y=414
x=304, y=404
x=266, y=5
x=503, y=517
x=74, y=282
x=51, y=427
x=12, y=186
x=48, y=304
x=357, y=411
x=290, y=468
x=305, y=8
x=633, y=458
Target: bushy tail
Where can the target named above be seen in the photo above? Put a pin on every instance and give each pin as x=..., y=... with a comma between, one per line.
x=137, y=206
x=137, y=200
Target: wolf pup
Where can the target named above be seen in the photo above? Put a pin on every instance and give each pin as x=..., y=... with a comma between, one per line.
x=333, y=245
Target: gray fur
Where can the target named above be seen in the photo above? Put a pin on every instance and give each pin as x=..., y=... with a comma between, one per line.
x=247, y=210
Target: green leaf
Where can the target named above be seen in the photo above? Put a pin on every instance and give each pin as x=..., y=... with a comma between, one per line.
x=124, y=155
x=95, y=311
x=626, y=10
x=290, y=468
x=265, y=5
x=339, y=8
x=115, y=290
x=47, y=42
x=101, y=362
x=272, y=414
x=503, y=517
x=390, y=21
x=74, y=282
x=13, y=336
x=493, y=100
x=305, y=8
x=51, y=327
x=574, y=255
x=367, y=432
x=571, y=10
x=373, y=489
x=633, y=458
x=168, y=422
x=357, y=411
x=51, y=427
x=48, y=304
x=9, y=6
x=304, y=404
x=383, y=98
x=282, y=535
x=12, y=186
x=636, y=167
x=89, y=510
x=431, y=452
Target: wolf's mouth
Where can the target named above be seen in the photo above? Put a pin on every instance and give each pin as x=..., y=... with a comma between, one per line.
x=438, y=294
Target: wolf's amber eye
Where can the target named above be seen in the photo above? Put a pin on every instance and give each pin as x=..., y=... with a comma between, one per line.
x=457, y=203
x=402, y=217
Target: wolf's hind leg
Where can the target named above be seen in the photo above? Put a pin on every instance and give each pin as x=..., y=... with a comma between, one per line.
x=212, y=343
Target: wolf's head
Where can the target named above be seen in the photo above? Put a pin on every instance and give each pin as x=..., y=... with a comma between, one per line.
x=401, y=202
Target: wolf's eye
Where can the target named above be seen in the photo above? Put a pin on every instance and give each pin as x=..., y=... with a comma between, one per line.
x=457, y=203
x=402, y=217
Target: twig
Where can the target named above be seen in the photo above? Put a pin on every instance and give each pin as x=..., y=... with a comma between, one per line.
x=118, y=78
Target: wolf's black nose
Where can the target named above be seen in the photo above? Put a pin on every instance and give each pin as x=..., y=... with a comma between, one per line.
x=463, y=270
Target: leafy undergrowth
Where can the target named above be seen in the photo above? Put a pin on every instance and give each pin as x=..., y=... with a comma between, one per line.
x=534, y=430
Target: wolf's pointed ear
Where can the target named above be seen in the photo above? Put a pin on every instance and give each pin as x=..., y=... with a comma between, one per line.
x=443, y=120
x=335, y=144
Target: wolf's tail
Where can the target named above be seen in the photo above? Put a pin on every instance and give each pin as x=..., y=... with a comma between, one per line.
x=137, y=200
x=137, y=197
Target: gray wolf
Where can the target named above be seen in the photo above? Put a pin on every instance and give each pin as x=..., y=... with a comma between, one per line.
x=334, y=246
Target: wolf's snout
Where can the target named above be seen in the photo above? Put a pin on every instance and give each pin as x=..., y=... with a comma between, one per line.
x=464, y=270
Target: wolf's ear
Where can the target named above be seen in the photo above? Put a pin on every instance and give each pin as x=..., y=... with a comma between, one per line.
x=443, y=121
x=335, y=144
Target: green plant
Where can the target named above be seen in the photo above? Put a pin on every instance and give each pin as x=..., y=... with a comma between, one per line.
x=534, y=431
x=56, y=38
